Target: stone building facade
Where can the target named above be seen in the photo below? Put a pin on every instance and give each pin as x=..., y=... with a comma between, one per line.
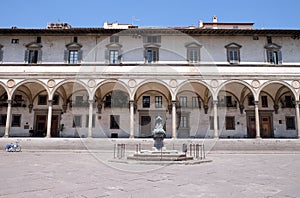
x=229, y=82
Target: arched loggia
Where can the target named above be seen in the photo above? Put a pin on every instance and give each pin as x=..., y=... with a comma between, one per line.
x=153, y=98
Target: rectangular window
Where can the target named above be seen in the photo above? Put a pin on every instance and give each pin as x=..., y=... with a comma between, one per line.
x=193, y=55
x=251, y=100
x=158, y=101
x=114, y=121
x=114, y=57
x=33, y=56
x=42, y=100
x=183, y=122
x=16, y=121
x=233, y=56
x=264, y=101
x=55, y=100
x=274, y=56
x=87, y=121
x=14, y=41
x=73, y=56
x=151, y=55
x=3, y=120
x=230, y=123
x=196, y=102
x=289, y=103
x=146, y=101
x=228, y=101
x=183, y=101
x=77, y=121
x=211, y=122
x=290, y=123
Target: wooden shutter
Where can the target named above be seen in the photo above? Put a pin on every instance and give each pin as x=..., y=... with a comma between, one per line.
x=39, y=58
x=66, y=55
x=80, y=53
x=270, y=56
x=26, y=56
x=1, y=55
x=279, y=53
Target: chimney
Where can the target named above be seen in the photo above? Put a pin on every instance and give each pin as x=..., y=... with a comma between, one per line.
x=215, y=19
x=200, y=24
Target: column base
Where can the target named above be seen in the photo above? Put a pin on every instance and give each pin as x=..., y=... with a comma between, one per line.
x=131, y=137
x=6, y=136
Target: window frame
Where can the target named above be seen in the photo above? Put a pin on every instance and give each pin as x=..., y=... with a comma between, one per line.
x=77, y=121
x=69, y=58
x=273, y=54
x=16, y=120
x=3, y=118
x=233, y=53
x=113, y=58
x=158, y=101
x=183, y=101
x=42, y=101
x=151, y=55
x=264, y=101
x=230, y=122
x=146, y=102
x=292, y=124
x=114, y=122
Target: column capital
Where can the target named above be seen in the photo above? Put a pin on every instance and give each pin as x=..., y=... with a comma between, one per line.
x=131, y=101
x=297, y=102
x=174, y=102
x=9, y=101
x=91, y=101
x=256, y=102
x=50, y=101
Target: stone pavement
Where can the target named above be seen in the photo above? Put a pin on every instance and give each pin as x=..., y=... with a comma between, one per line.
x=261, y=171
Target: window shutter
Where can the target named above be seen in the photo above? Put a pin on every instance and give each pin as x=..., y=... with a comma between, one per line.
x=279, y=57
x=270, y=56
x=1, y=55
x=26, y=56
x=80, y=52
x=120, y=56
x=157, y=55
x=66, y=55
x=39, y=58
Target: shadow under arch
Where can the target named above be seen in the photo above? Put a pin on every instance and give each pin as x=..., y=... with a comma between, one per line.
x=30, y=81
x=277, y=82
x=75, y=81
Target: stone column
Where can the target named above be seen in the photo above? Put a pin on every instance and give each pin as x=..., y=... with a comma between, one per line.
x=216, y=131
x=90, y=129
x=49, y=120
x=174, y=119
x=298, y=118
x=257, y=125
x=8, y=119
x=131, y=103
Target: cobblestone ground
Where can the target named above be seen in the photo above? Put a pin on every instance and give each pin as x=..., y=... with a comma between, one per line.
x=86, y=174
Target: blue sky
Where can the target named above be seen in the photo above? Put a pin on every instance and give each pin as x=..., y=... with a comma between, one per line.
x=269, y=14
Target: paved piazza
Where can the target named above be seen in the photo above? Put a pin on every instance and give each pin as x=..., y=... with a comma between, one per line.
x=84, y=173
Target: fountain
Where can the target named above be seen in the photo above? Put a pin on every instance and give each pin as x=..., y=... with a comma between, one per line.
x=159, y=152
